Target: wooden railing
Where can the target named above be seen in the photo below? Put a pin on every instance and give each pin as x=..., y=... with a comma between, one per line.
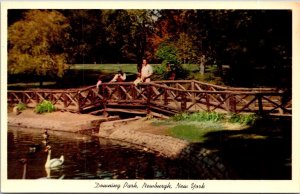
x=168, y=97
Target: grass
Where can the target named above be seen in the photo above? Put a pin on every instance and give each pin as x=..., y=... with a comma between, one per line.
x=193, y=132
x=243, y=119
x=199, y=116
x=86, y=74
x=21, y=106
x=30, y=84
x=107, y=68
x=194, y=127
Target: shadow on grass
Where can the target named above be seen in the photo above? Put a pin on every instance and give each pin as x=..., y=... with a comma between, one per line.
x=260, y=152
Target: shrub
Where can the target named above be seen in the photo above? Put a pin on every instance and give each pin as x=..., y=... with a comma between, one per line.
x=246, y=119
x=199, y=116
x=44, y=106
x=21, y=106
x=168, y=53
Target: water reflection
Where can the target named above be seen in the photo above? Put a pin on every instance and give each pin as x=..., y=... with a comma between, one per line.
x=85, y=157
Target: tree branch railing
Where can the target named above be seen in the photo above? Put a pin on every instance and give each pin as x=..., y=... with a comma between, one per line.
x=166, y=96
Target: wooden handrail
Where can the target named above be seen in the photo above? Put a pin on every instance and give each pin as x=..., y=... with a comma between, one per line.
x=178, y=98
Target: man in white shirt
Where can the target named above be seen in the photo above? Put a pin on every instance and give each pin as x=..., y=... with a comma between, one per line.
x=146, y=71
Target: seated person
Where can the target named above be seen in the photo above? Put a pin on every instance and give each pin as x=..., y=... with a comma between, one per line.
x=99, y=82
x=119, y=77
x=138, y=79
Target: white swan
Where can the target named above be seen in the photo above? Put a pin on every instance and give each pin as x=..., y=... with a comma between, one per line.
x=55, y=162
x=48, y=172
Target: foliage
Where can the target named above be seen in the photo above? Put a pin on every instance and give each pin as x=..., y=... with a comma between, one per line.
x=244, y=119
x=21, y=106
x=199, y=116
x=250, y=42
x=86, y=37
x=44, y=106
x=128, y=31
x=168, y=53
x=36, y=44
x=187, y=52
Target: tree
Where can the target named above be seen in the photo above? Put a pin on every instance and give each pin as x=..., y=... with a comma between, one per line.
x=87, y=42
x=186, y=51
x=129, y=30
x=36, y=44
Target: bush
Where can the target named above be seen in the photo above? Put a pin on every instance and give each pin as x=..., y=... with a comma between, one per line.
x=21, y=106
x=199, y=116
x=168, y=53
x=44, y=106
x=246, y=119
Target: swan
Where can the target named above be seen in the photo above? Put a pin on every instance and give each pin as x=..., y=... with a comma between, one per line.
x=48, y=172
x=55, y=162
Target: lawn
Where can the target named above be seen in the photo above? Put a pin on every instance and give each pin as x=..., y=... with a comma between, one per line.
x=78, y=75
x=106, y=68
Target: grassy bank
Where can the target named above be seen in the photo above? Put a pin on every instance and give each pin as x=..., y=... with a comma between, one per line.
x=195, y=127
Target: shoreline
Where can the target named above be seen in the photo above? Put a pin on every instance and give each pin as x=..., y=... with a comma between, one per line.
x=137, y=133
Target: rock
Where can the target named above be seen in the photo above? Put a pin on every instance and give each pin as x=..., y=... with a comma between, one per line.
x=16, y=110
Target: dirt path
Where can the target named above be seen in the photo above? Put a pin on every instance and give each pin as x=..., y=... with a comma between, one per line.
x=60, y=121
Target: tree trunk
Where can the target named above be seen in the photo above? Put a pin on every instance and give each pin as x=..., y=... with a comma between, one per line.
x=202, y=65
x=41, y=81
x=202, y=68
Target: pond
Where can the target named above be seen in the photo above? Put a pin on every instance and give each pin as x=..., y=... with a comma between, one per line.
x=86, y=157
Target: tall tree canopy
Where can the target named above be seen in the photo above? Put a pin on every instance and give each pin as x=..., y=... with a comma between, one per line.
x=246, y=41
x=36, y=44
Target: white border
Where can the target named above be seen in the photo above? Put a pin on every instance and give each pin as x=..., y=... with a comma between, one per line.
x=83, y=186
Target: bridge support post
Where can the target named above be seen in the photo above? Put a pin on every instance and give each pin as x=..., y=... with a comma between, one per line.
x=193, y=94
x=65, y=100
x=207, y=102
x=232, y=103
x=165, y=97
x=260, y=105
x=183, y=101
x=149, y=94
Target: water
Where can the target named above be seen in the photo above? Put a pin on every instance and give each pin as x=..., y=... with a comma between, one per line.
x=86, y=157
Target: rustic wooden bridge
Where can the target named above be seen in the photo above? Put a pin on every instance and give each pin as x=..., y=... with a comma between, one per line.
x=166, y=97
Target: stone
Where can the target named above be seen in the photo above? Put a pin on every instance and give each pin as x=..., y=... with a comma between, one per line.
x=16, y=110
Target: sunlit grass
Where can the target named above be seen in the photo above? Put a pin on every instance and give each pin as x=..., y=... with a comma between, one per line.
x=107, y=68
x=194, y=132
x=194, y=127
x=32, y=84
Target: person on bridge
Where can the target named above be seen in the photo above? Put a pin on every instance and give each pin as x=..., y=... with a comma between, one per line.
x=119, y=77
x=99, y=82
x=146, y=71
